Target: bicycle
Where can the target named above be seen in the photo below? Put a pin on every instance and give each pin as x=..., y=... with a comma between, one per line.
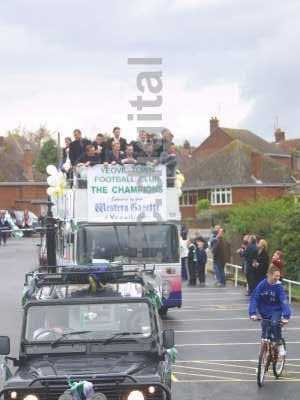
x=269, y=354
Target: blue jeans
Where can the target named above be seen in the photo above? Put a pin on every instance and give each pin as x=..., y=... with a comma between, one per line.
x=272, y=327
x=220, y=273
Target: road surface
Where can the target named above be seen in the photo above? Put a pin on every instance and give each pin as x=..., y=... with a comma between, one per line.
x=217, y=344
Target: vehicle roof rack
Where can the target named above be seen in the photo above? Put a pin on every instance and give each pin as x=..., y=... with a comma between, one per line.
x=97, y=277
x=75, y=274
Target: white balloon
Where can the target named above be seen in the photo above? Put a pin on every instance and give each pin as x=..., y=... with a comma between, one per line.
x=52, y=180
x=51, y=170
x=50, y=191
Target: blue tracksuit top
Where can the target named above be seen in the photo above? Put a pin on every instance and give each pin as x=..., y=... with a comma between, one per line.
x=268, y=298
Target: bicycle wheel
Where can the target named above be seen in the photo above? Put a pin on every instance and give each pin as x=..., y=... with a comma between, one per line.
x=263, y=363
x=278, y=363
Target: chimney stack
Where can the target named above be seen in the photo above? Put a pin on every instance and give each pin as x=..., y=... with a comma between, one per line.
x=279, y=135
x=256, y=161
x=214, y=124
x=27, y=162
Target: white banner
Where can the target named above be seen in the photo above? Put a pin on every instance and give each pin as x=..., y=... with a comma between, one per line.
x=127, y=193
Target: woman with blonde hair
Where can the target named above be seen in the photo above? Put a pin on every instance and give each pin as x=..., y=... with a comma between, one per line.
x=261, y=263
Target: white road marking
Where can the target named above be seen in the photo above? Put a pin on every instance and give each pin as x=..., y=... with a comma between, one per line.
x=209, y=376
x=218, y=363
x=215, y=370
x=223, y=344
x=281, y=380
x=229, y=330
x=213, y=319
x=226, y=360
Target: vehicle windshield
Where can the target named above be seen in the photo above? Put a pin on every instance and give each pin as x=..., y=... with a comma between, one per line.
x=90, y=321
x=130, y=244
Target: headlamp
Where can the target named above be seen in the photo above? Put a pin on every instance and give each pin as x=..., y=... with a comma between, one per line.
x=136, y=395
x=31, y=397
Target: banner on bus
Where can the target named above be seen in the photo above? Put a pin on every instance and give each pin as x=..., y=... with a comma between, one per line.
x=127, y=193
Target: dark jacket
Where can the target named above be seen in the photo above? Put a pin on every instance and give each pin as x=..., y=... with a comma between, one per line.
x=77, y=148
x=250, y=254
x=263, y=262
x=96, y=159
x=4, y=225
x=139, y=148
x=110, y=157
x=201, y=257
x=192, y=254
x=220, y=250
x=170, y=160
x=123, y=143
x=103, y=151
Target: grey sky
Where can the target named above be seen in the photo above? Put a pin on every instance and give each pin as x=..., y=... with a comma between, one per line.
x=64, y=63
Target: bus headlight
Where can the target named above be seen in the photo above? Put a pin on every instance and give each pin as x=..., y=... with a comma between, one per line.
x=136, y=395
x=165, y=288
x=31, y=397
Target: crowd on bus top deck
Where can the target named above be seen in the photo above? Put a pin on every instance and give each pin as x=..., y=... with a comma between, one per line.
x=146, y=149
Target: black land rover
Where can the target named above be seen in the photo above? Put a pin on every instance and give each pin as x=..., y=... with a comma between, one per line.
x=113, y=342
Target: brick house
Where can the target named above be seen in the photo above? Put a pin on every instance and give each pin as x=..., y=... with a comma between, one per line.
x=20, y=183
x=233, y=166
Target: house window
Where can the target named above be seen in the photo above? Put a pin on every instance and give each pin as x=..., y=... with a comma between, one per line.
x=222, y=196
x=189, y=198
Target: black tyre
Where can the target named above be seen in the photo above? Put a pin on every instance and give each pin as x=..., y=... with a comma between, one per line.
x=278, y=365
x=263, y=364
x=163, y=311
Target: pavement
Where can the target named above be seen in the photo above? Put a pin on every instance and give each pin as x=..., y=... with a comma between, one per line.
x=217, y=344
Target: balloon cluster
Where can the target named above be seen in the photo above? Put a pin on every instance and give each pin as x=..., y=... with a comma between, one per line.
x=179, y=181
x=56, y=181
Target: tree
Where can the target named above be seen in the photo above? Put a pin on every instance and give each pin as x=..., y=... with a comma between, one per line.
x=286, y=237
x=47, y=155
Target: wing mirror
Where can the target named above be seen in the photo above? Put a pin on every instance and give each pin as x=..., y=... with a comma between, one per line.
x=4, y=345
x=168, y=338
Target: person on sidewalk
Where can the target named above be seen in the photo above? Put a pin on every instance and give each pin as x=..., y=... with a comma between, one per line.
x=250, y=255
x=4, y=228
x=219, y=258
x=201, y=260
x=192, y=261
x=261, y=263
x=183, y=256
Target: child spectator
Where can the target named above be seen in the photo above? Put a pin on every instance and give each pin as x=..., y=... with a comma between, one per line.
x=277, y=260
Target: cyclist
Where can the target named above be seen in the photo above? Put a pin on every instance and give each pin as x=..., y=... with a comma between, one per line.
x=270, y=300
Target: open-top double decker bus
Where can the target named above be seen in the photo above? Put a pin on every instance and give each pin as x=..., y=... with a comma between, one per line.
x=122, y=213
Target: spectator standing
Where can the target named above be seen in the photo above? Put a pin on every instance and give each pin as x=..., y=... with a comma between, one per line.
x=90, y=157
x=169, y=158
x=261, y=263
x=100, y=146
x=140, y=144
x=4, y=228
x=115, y=156
x=65, y=165
x=220, y=257
x=184, y=256
x=162, y=145
x=201, y=260
x=241, y=251
x=117, y=139
x=250, y=255
x=192, y=261
x=148, y=158
x=77, y=147
x=277, y=260
x=130, y=157
x=212, y=239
